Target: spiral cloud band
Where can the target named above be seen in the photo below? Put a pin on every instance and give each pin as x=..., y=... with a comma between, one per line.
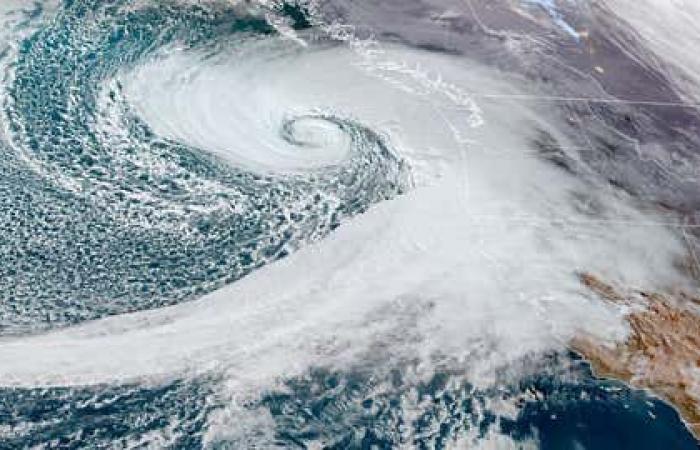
x=213, y=198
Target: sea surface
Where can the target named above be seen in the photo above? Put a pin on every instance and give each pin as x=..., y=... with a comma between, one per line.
x=336, y=224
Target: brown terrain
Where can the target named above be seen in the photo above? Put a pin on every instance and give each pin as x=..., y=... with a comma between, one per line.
x=661, y=352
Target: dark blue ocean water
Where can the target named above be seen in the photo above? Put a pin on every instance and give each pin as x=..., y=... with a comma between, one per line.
x=559, y=408
x=71, y=251
x=87, y=216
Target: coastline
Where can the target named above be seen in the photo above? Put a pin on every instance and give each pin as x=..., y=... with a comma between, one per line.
x=661, y=353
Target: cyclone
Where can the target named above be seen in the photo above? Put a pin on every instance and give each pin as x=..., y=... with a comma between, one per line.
x=255, y=224
x=291, y=175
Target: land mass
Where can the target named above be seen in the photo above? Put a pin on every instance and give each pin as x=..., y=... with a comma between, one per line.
x=661, y=352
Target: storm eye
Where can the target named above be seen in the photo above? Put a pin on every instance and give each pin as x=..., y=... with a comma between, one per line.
x=348, y=224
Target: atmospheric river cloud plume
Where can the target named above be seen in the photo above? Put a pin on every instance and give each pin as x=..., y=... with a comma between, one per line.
x=252, y=190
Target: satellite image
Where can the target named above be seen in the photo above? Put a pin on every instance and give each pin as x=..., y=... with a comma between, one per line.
x=350, y=224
